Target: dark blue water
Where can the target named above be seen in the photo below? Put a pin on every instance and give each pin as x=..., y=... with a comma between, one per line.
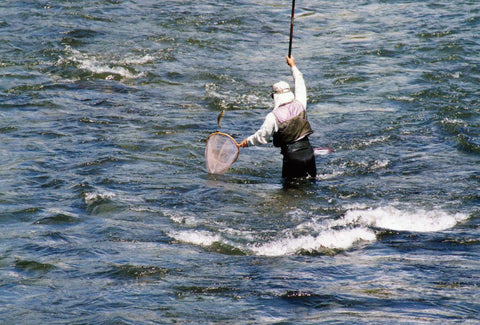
x=108, y=215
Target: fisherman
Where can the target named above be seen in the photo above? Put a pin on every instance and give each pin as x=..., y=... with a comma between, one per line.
x=287, y=124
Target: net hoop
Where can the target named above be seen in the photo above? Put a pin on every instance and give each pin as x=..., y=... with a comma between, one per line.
x=221, y=151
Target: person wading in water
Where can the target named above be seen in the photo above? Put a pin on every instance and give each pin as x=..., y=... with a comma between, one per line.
x=287, y=124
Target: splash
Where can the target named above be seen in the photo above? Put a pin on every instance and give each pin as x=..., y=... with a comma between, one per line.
x=99, y=66
x=359, y=224
x=96, y=67
x=329, y=239
x=91, y=198
x=195, y=237
x=391, y=218
x=186, y=220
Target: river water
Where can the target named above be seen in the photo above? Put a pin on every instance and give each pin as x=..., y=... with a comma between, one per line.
x=108, y=215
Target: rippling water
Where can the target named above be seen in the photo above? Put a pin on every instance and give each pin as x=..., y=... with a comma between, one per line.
x=109, y=217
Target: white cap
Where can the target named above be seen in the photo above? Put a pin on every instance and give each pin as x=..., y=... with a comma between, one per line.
x=282, y=94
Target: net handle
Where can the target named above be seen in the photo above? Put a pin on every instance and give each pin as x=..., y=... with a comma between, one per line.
x=225, y=134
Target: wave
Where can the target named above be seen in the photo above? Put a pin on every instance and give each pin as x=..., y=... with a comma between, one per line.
x=391, y=218
x=229, y=94
x=196, y=237
x=317, y=235
x=104, y=67
x=342, y=239
x=331, y=239
x=95, y=197
x=364, y=143
x=354, y=167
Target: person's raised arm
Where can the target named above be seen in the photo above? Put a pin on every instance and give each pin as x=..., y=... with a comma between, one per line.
x=300, y=88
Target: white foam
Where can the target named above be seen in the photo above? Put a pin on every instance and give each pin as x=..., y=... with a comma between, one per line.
x=391, y=218
x=95, y=196
x=455, y=75
x=402, y=98
x=454, y=121
x=132, y=60
x=355, y=226
x=380, y=164
x=316, y=233
x=334, y=174
x=329, y=239
x=92, y=64
x=183, y=219
x=375, y=140
x=195, y=237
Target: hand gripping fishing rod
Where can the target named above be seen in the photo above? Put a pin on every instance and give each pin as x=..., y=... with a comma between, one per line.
x=291, y=29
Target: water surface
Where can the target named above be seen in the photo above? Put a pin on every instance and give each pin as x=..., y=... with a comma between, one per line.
x=108, y=213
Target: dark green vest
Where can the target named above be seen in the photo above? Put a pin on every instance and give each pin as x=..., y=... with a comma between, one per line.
x=292, y=130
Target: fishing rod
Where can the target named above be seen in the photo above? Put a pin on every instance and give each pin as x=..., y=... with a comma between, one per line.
x=316, y=151
x=291, y=29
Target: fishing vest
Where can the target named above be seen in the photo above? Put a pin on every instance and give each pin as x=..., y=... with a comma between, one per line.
x=292, y=124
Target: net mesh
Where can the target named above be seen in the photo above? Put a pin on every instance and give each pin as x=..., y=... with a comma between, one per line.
x=221, y=151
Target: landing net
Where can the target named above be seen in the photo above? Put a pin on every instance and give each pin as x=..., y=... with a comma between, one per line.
x=221, y=151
